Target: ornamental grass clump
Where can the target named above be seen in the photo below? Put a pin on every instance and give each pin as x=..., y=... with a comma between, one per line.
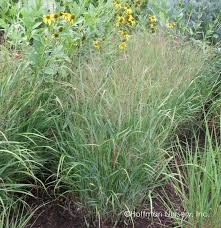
x=118, y=120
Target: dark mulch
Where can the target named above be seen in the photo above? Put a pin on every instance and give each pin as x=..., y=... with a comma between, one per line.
x=54, y=216
x=53, y=212
x=162, y=217
x=62, y=212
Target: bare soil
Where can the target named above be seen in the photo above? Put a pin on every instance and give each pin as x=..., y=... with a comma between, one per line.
x=62, y=212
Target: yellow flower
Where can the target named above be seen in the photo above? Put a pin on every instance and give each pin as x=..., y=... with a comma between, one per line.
x=138, y=2
x=54, y=16
x=152, y=26
x=174, y=24
x=129, y=11
x=117, y=5
x=171, y=25
x=152, y=19
x=65, y=16
x=47, y=19
x=126, y=37
x=126, y=6
x=69, y=17
x=123, y=32
x=96, y=44
x=131, y=19
x=122, y=45
x=72, y=19
x=120, y=20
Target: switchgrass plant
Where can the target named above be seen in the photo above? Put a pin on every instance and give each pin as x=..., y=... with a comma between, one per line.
x=195, y=167
x=198, y=181
x=119, y=118
x=20, y=147
x=15, y=215
x=100, y=126
x=18, y=167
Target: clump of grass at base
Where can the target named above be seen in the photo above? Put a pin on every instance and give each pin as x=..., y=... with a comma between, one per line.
x=21, y=144
x=101, y=126
x=18, y=167
x=118, y=121
x=15, y=215
x=195, y=168
x=198, y=180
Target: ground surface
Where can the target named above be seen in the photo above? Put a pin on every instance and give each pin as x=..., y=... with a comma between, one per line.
x=63, y=213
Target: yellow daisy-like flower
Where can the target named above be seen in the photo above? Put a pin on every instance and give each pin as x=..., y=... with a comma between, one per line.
x=174, y=24
x=131, y=20
x=152, y=19
x=126, y=37
x=123, y=32
x=69, y=17
x=117, y=5
x=122, y=45
x=54, y=16
x=47, y=19
x=72, y=19
x=96, y=44
x=129, y=11
x=126, y=6
x=152, y=25
x=120, y=20
x=138, y=2
x=65, y=16
x=171, y=25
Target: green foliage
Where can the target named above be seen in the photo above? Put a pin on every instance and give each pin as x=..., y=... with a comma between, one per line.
x=84, y=117
x=197, y=19
x=199, y=187
x=100, y=127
